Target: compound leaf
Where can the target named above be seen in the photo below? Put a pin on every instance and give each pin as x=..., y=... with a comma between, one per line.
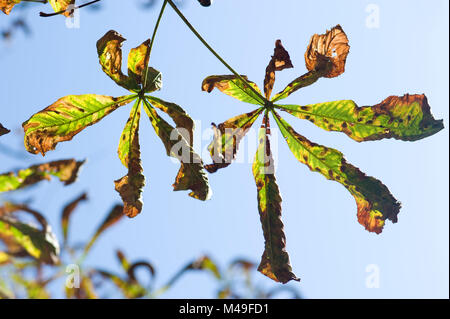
x=405, y=118
x=374, y=201
x=191, y=174
x=275, y=262
x=130, y=186
x=234, y=87
x=65, y=170
x=227, y=136
x=65, y=118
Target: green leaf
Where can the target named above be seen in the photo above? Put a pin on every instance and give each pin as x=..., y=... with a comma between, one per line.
x=3, y=130
x=300, y=82
x=234, y=87
x=67, y=213
x=109, y=49
x=280, y=60
x=42, y=244
x=123, y=260
x=7, y=5
x=111, y=219
x=405, y=118
x=227, y=136
x=153, y=80
x=129, y=290
x=178, y=115
x=65, y=118
x=374, y=201
x=191, y=174
x=130, y=186
x=65, y=170
x=275, y=262
x=205, y=263
x=138, y=62
x=60, y=5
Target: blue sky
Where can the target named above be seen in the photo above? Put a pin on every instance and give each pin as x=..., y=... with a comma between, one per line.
x=329, y=250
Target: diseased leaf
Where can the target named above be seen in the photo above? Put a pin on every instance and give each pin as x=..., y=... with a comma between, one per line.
x=374, y=201
x=178, y=115
x=109, y=49
x=191, y=174
x=42, y=244
x=329, y=47
x=234, y=87
x=67, y=213
x=227, y=136
x=280, y=60
x=138, y=62
x=130, y=186
x=112, y=218
x=275, y=262
x=300, y=82
x=3, y=130
x=60, y=5
x=153, y=80
x=205, y=263
x=65, y=170
x=405, y=118
x=7, y=5
x=65, y=118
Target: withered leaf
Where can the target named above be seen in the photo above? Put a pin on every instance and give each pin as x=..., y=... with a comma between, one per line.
x=67, y=213
x=7, y=5
x=130, y=186
x=65, y=170
x=331, y=47
x=227, y=136
x=275, y=262
x=112, y=218
x=280, y=60
x=3, y=130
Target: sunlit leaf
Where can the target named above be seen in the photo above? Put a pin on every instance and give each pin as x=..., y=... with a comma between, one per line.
x=234, y=87
x=205, y=263
x=65, y=170
x=42, y=244
x=123, y=260
x=227, y=136
x=280, y=60
x=7, y=5
x=275, y=262
x=300, y=82
x=4, y=258
x=109, y=49
x=138, y=62
x=130, y=186
x=60, y=5
x=405, y=118
x=191, y=174
x=374, y=201
x=65, y=118
x=178, y=115
x=329, y=47
x=86, y=289
x=3, y=130
x=67, y=213
x=33, y=288
x=112, y=218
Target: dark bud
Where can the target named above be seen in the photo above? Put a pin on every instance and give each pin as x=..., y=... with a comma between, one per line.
x=205, y=3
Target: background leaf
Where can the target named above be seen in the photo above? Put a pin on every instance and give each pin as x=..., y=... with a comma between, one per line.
x=67, y=213
x=65, y=170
